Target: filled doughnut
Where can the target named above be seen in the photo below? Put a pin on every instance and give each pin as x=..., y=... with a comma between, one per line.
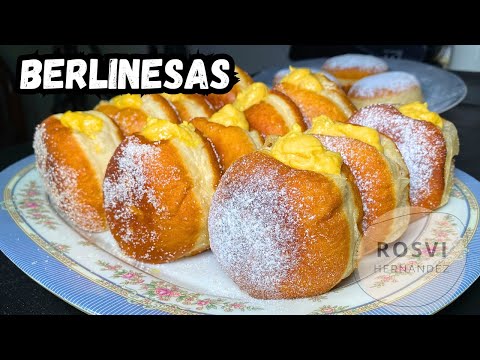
x=72, y=151
x=220, y=100
x=315, y=95
x=349, y=68
x=393, y=87
x=228, y=131
x=284, y=220
x=157, y=192
x=380, y=175
x=130, y=111
x=189, y=106
x=268, y=111
x=427, y=143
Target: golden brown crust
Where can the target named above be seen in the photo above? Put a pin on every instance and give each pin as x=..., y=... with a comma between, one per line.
x=190, y=106
x=263, y=118
x=334, y=93
x=220, y=100
x=422, y=146
x=369, y=166
x=282, y=213
x=132, y=120
x=129, y=120
x=311, y=104
x=177, y=238
x=69, y=177
x=269, y=117
x=168, y=112
x=375, y=181
x=160, y=218
x=230, y=142
x=213, y=159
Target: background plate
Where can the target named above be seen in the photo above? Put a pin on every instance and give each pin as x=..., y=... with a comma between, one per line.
x=441, y=89
x=40, y=243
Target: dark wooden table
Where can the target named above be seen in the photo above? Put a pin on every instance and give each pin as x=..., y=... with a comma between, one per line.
x=21, y=295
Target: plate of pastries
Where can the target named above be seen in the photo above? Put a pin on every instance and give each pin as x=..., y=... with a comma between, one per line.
x=367, y=80
x=264, y=200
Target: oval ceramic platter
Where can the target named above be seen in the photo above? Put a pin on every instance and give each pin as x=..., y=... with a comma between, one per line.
x=441, y=89
x=97, y=281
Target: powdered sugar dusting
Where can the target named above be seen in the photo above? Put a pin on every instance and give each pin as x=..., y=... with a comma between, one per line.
x=417, y=141
x=129, y=186
x=61, y=184
x=394, y=81
x=246, y=235
x=125, y=189
x=366, y=178
x=367, y=62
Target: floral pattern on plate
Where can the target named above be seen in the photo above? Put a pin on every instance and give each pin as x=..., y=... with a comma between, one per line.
x=27, y=203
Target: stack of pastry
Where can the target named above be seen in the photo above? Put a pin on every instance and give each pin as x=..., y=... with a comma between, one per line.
x=285, y=219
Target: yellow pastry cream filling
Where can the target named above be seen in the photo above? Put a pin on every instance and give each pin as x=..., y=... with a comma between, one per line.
x=232, y=114
x=127, y=101
x=305, y=152
x=157, y=130
x=304, y=79
x=229, y=115
x=82, y=122
x=323, y=125
x=419, y=111
x=252, y=95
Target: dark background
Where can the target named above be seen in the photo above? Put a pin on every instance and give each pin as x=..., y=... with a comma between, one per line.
x=19, y=115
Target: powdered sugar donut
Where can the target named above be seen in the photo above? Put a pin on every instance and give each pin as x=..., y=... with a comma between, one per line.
x=349, y=68
x=157, y=192
x=72, y=151
x=393, y=87
x=282, y=233
x=380, y=175
x=428, y=151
